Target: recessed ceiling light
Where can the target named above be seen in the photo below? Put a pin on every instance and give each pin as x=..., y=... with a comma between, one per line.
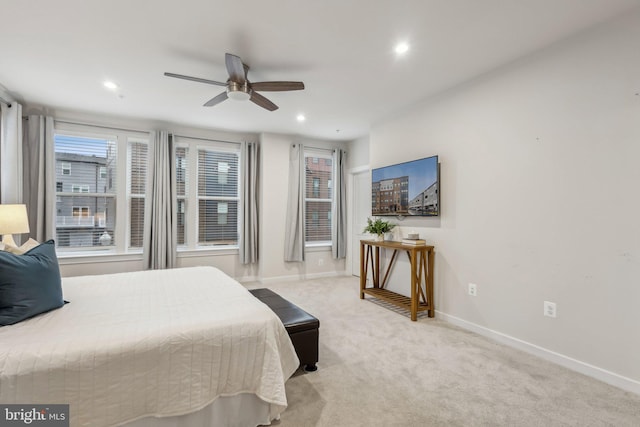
x=110, y=85
x=401, y=48
x=301, y=118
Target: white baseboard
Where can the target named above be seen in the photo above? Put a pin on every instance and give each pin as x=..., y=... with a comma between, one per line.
x=603, y=375
x=290, y=278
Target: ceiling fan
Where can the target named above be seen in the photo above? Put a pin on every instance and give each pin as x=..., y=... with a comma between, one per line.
x=239, y=87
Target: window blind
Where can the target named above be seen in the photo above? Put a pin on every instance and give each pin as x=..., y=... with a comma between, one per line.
x=318, y=196
x=182, y=191
x=138, y=158
x=218, y=196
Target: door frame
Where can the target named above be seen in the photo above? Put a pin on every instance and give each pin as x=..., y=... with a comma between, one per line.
x=353, y=254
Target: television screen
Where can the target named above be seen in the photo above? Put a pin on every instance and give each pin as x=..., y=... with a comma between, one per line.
x=409, y=188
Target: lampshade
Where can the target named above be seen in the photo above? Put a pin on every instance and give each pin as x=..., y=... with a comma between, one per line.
x=13, y=220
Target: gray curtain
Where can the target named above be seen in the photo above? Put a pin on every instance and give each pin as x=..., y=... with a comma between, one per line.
x=11, y=161
x=160, y=239
x=39, y=164
x=294, y=231
x=339, y=223
x=249, y=235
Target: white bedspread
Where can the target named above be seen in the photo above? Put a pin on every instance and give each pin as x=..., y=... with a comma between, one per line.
x=147, y=343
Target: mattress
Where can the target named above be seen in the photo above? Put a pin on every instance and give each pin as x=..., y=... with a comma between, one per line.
x=152, y=343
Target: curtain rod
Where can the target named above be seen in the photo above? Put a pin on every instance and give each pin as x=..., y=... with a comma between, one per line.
x=143, y=131
x=69, y=122
x=5, y=101
x=199, y=138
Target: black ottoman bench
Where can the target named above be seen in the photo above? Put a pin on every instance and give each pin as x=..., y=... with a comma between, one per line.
x=301, y=326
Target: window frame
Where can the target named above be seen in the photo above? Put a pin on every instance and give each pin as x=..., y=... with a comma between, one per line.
x=120, y=195
x=316, y=154
x=191, y=199
x=182, y=171
x=130, y=196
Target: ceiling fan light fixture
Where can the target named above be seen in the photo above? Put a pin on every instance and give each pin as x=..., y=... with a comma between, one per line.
x=239, y=95
x=238, y=92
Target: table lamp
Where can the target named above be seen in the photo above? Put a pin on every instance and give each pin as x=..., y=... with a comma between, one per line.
x=13, y=220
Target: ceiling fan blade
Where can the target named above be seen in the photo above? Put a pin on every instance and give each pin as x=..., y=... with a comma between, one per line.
x=216, y=100
x=277, y=86
x=195, y=79
x=235, y=67
x=260, y=100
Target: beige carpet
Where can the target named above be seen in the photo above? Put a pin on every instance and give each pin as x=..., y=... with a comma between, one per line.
x=377, y=368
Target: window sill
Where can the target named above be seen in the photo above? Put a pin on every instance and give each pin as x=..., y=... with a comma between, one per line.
x=203, y=252
x=75, y=257
x=318, y=247
x=68, y=258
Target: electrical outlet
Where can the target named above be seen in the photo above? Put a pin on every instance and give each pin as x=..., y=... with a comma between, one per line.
x=473, y=289
x=550, y=309
x=321, y=261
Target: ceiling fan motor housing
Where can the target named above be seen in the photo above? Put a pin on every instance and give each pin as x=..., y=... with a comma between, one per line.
x=238, y=91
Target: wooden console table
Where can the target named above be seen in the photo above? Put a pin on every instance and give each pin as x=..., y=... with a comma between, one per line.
x=421, y=258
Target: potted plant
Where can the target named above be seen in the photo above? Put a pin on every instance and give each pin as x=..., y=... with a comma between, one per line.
x=378, y=227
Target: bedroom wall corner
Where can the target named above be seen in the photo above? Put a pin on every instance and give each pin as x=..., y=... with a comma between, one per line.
x=274, y=176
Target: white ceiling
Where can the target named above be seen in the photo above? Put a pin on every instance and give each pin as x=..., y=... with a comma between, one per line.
x=57, y=54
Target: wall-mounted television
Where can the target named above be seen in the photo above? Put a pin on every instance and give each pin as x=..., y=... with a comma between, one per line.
x=409, y=189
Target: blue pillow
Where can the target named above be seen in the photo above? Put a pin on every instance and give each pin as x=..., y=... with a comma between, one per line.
x=30, y=283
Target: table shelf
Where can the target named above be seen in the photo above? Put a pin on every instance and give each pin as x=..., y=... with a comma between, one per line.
x=421, y=258
x=394, y=298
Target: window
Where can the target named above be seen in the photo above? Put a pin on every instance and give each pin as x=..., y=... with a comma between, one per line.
x=81, y=211
x=217, y=197
x=318, y=196
x=79, y=188
x=80, y=158
x=211, y=205
x=98, y=210
x=223, y=210
x=181, y=190
x=223, y=172
x=137, y=158
x=316, y=187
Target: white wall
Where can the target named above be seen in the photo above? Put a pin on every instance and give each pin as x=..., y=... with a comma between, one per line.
x=358, y=161
x=274, y=175
x=539, y=176
x=274, y=179
x=358, y=153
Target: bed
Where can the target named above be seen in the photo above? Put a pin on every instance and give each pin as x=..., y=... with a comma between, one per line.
x=187, y=346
